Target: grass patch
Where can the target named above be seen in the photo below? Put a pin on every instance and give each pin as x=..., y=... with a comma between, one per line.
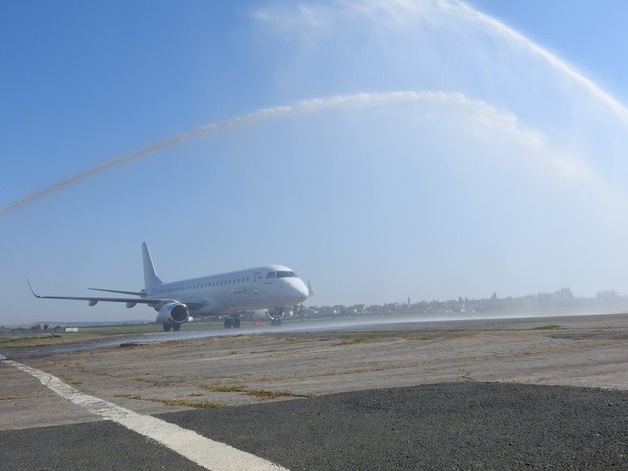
x=174, y=402
x=238, y=388
x=183, y=402
x=95, y=333
x=547, y=327
x=226, y=388
x=354, y=340
x=42, y=340
x=69, y=380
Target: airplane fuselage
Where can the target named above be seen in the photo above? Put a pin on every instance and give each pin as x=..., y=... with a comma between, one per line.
x=225, y=293
x=270, y=287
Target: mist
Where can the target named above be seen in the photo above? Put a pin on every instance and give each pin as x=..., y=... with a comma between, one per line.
x=409, y=149
x=511, y=182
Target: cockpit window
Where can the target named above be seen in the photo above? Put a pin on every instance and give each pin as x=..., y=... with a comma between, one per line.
x=281, y=274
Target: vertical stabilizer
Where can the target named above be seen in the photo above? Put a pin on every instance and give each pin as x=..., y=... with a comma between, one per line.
x=150, y=278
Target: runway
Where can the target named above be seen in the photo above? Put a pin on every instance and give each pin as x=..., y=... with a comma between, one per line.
x=485, y=394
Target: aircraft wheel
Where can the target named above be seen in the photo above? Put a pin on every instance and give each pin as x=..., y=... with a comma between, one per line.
x=176, y=327
x=167, y=327
x=228, y=323
x=236, y=323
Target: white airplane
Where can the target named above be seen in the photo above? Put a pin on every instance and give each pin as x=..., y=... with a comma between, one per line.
x=273, y=288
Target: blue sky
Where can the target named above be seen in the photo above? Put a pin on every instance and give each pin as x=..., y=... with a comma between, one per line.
x=426, y=149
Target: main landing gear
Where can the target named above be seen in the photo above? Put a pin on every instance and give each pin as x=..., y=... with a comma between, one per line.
x=175, y=327
x=233, y=321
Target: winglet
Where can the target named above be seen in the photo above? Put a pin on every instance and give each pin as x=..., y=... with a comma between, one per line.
x=32, y=290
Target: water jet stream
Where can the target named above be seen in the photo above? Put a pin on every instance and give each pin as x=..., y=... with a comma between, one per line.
x=553, y=60
x=362, y=99
x=462, y=8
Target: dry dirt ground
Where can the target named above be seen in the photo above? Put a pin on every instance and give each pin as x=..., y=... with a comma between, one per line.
x=154, y=378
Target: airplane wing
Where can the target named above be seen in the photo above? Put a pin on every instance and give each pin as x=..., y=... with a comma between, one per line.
x=130, y=302
x=136, y=293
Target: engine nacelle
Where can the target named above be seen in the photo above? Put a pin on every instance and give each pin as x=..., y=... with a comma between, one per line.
x=275, y=313
x=174, y=313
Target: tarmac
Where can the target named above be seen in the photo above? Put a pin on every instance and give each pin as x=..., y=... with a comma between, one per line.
x=536, y=393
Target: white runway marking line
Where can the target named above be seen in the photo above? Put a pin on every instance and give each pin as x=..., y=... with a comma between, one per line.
x=189, y=444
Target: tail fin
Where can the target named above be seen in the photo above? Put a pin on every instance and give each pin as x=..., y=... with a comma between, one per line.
x=150, y=278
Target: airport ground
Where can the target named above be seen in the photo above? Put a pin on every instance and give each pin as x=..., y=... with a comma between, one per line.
x=548, y=393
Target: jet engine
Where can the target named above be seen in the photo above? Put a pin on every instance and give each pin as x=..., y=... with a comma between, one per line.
x=172, y=315
x=275, y=314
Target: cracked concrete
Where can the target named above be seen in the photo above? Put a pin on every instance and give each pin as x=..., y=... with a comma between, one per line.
x=153, y=378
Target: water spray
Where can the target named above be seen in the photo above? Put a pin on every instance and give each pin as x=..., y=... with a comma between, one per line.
x=551, y=59
x=358, y=99
x=362, y=99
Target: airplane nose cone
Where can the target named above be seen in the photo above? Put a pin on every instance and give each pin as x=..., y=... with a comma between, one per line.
x=300, y=290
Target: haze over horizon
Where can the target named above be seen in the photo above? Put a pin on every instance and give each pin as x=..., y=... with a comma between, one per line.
x=381, y=149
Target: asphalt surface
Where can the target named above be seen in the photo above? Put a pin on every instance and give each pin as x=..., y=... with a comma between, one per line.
x=491, y=394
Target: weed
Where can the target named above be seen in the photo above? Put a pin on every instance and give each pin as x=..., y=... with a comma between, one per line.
x=173, y=402
x=547, y=327
x=223, y=387
x=70, y=380
x=353, y=340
